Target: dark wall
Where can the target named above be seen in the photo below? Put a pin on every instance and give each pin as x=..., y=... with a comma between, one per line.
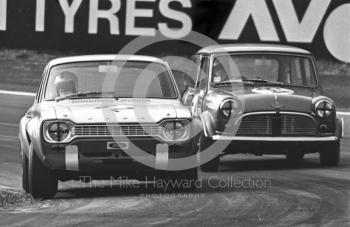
x=208, y=17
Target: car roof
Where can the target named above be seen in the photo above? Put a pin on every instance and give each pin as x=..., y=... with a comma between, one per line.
x=228, y=48
x=104, y=57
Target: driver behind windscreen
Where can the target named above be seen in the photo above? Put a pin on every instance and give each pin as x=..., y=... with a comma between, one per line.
x=66, y=83
x=219, y=72
x=225, y=70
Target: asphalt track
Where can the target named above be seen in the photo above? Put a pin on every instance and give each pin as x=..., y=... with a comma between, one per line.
x=270, y=191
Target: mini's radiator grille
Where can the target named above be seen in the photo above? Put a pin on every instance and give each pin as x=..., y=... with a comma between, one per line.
x=277, y=125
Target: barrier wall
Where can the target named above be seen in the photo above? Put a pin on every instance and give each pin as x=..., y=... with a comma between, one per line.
x=321, y=26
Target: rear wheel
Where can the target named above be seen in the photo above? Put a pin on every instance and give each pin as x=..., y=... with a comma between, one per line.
x=330, y=154
x=212, y=165
x=42, y=183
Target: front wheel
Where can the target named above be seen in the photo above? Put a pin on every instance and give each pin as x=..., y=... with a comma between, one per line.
x=42, y=184
x=25, y=182
x=330, y=154
x=212, y=165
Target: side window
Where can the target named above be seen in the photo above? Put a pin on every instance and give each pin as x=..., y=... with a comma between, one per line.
x=296, y=72
x=309, y=72
x=39, y=91
x=303, y=72
x=197, y=60
x=203, y=74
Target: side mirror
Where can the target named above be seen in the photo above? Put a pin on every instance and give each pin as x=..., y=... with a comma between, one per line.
x=188, y=96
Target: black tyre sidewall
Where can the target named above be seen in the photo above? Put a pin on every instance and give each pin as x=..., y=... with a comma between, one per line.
x=42, y=183
x=25, y=182
x=212, y=165
x=330, y=154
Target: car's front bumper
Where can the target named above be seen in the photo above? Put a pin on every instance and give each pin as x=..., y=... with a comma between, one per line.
x=93, y=156
x=277, y=139
x=272, y=145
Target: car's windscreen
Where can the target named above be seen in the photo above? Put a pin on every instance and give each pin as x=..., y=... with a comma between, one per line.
x=130, y=79
x=263, y=69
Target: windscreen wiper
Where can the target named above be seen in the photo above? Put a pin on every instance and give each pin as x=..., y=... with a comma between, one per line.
x=262, y=81
x=228, y=83
x=77, y=95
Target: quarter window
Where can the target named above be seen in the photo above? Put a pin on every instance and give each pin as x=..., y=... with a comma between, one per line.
x=203, y=77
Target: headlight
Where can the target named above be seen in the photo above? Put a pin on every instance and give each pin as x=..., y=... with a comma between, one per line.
x=176, y=130
x=229, y=107
x=57, y=131
x=323, y=108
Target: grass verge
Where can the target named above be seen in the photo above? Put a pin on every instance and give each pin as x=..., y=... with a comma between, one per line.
x=11, y=199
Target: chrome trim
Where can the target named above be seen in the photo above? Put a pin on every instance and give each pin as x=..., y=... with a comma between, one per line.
x=72, y=158
x=225, y=101
x=48, y=138
x=101, y=130
x=274, y=112
x=162, y=156
x=276, y=139
x=239, y=119
x=184, y=137
x=319, y=102
x=159, y=126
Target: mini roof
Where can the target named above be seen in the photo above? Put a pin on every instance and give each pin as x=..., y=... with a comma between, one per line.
x=229, y=48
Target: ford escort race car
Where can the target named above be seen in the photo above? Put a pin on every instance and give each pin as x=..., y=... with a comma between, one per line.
x=103, y=116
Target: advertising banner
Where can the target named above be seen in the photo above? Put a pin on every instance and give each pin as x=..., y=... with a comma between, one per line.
x=321, y=26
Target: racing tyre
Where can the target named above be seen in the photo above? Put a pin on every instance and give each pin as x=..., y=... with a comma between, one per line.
x=25, y=185
x=212, y=165
x=42, y=183
x=330, y=154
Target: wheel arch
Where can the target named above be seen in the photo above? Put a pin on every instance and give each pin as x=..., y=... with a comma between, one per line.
x=207, y=124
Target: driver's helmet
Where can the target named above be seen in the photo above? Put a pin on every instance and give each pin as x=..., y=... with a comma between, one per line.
x=219, y=72
x=66, y=83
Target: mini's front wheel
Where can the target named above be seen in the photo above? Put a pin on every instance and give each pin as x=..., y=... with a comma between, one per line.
x=213, y=164
x=330, y=154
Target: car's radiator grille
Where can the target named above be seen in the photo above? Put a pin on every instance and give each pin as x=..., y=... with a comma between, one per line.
x=277, y=125
x=117, y=130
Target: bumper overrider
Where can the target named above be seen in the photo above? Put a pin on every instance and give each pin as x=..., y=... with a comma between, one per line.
x=91, y=151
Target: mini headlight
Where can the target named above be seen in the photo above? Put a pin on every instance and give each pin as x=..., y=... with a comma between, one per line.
x=175, y=130
x=323, y=108
x=57, y=131
x=229, y=107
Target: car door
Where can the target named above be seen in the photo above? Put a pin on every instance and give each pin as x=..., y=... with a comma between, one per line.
x=201, y=85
